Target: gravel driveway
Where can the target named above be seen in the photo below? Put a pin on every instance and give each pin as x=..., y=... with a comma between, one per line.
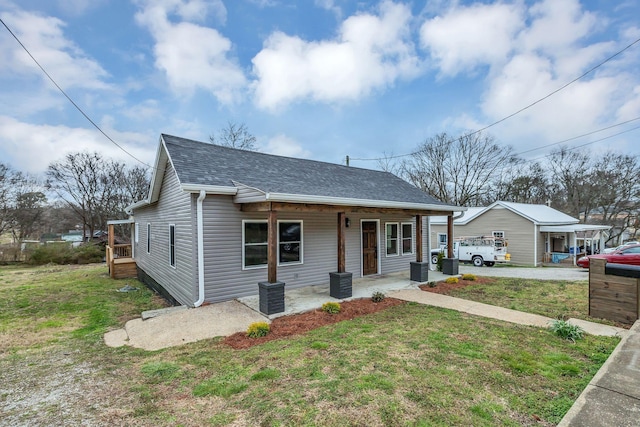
x=541, y=273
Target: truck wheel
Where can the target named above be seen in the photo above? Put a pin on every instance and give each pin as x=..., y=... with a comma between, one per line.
x=477, y=261
x=434, y=259
x=489, y=263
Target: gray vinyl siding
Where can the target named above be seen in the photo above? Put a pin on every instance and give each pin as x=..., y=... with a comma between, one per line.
x=173, y=207
x=518, y=231
x=225, y=279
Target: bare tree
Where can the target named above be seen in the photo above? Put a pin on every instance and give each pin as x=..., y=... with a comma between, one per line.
x=523, y=183
x=6, y=185
x=96, y=189
x=236, y=136
x=461, y=170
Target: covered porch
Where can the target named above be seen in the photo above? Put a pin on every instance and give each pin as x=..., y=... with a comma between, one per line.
x=119, y=257
x=272, y=300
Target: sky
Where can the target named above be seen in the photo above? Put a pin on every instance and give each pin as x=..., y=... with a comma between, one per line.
x=316, y=79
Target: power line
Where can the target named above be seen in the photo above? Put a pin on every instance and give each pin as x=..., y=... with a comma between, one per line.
x=69, y=98
x=581, y=136
x=521, y=109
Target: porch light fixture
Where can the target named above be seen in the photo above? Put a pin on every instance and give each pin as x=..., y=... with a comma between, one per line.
x=347, y=222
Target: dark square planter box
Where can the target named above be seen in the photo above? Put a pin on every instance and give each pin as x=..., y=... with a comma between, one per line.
x=450, y=266
x=271, y=297
x=340, y=285
x=420, y=271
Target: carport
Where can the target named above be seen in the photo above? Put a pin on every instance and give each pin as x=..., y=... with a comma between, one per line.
x=587, y=233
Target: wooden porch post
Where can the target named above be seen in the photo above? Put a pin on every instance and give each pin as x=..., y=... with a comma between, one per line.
x=342, y=265
x=271, y=292
x=341, y=281
x=272, y=249
x=111, y=238
x=418, y=238
x=450, y=236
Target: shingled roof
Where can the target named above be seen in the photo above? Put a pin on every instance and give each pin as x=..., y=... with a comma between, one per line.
x=199, y=164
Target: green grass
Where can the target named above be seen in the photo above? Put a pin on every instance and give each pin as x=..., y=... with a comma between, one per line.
x=552, y=298
x=410, y=365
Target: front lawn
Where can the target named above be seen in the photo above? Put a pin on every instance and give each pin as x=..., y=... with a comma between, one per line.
x=557, y=299
x=407, y=365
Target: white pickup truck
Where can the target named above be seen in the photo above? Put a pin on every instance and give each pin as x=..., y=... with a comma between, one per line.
x=478, y=250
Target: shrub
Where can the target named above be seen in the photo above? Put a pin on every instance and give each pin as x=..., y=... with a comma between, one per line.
x=258, y=329
x=469, y=276
x=63, y=253
x=451, y=280
x=566, y=330
x=377, y=297
x=331, y=307
x=439, y=263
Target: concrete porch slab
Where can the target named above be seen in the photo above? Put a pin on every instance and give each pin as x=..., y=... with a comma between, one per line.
x=312, y=297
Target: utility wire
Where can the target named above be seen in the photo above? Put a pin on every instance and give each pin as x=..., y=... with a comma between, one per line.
x=521, y=109
x=69, y=98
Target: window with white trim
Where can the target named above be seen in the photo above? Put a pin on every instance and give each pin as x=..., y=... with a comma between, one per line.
x=289, y=242
x=498, y=234
x=392, y=238
x=172, y=245
x=407, y=238
x=442, y=240
x=148, y=237
x=255, y=235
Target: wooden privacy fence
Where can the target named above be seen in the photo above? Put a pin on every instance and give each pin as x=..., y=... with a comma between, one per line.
x=614, y=291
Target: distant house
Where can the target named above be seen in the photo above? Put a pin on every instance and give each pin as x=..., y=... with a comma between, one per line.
x=220, y=221
x=535, y=233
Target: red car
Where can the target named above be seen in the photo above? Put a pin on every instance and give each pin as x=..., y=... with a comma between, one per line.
x=627, y=255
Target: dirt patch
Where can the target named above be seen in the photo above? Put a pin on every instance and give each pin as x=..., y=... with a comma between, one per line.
x=446, y=288
x=297, y=324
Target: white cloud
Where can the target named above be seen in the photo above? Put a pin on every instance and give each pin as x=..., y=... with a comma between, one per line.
x=21, y=140
x=466, y=37
x=44, y=37
x=282, y=145
x=370, y=52
x=192, y=56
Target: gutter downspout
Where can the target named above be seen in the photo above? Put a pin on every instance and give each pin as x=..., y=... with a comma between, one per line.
x=200, y=229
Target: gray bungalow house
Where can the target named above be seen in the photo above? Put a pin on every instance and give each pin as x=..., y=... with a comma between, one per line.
x=221, y=223
x=536, y=234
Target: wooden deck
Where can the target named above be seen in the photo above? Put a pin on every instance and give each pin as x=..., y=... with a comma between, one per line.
x=121, y=264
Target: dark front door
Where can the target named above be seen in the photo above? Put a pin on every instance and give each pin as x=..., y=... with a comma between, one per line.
x=369, y=248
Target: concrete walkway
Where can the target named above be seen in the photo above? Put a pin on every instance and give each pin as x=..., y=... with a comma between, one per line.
x=499, y=313
x=181, y=325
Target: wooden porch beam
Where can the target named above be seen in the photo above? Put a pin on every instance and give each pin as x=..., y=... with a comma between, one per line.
x=418, y=238
x=450, y=236
x=309, y=207
x=342, y=264
x=272, y=248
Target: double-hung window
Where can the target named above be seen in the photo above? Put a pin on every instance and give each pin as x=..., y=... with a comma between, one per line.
x=407, y=238
x=289, y=242
x=392, y=238
x=255, y=236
